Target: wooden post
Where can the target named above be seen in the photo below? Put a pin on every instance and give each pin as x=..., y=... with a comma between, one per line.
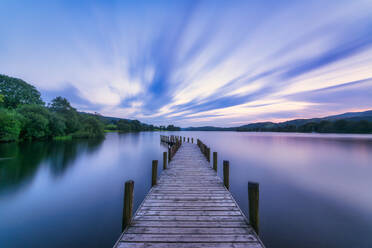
x=253, y=196
x=164, y=160
x=208, y=154
x=188, y=140
x=169, y=154
x=226, y=168
x=192, y=140
x=154, y=172
x=215, y=161
x=183, y=139
x=128, y=204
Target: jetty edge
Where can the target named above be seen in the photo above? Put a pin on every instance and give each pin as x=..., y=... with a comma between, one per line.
x=189, y=205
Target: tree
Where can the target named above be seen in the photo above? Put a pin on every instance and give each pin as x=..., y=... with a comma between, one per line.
x=10, y=125
x=35, y=123
x=57, y=125
x=92, y=128
x=1, y=100
x=111, y=127
x=173, y=128
x=62, y=106
x=17, y=92
x=123, y=126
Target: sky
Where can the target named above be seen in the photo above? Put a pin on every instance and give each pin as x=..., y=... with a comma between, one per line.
x=193, y=63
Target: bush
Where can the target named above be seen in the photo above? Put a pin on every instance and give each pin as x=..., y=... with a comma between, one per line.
x=111, y=127
x=81, y=135
x=10, y=125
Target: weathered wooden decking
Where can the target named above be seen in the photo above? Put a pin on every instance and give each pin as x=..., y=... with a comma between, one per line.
x=189, y=207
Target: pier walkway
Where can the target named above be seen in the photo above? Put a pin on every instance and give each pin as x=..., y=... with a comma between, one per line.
x=189, y=207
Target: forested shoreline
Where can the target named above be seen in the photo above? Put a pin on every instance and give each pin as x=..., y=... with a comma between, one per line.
x=25, y=116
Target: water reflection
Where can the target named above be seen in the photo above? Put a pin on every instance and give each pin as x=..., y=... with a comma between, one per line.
x=23, y=160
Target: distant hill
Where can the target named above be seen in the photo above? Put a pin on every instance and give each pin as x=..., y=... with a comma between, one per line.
x=352, y=122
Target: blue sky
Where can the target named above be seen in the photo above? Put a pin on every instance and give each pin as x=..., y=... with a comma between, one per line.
x=194, y=63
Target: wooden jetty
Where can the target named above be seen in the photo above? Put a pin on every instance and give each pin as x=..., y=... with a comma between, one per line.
x=189, y=206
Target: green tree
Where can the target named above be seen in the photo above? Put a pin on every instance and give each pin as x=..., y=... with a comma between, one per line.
x=17, y=92
x=10, y=125
x=111, y=127
x=1, y=100
x=92, y=128
x=123, y=126
x=57, y=125
x=35, y=122
x=62, y=107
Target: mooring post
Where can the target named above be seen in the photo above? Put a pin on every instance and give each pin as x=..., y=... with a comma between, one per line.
x=209, y=154
x=184, y=139
x=154, y=172
x=169, y=154
x=253, y=197
x=128, y=204
x=192, y=140
x=188, y=139
x=226, y=168
x=215, y=161
x=164, y=160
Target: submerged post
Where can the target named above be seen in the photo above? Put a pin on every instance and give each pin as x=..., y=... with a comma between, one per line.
x=128, y=204
x=164, y=160
x=154, y=172
x=226, y=168
x=215, y=161
x=253, y=196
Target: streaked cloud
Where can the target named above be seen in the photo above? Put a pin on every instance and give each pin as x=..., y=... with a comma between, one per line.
x=194, y=62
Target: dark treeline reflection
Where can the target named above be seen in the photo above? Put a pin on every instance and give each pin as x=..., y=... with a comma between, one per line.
x=20, y=162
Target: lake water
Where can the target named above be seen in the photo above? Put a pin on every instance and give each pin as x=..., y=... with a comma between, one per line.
x=315, y=190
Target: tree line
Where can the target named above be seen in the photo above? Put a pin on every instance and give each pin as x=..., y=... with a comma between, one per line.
x=324, y=126
x=25, y=116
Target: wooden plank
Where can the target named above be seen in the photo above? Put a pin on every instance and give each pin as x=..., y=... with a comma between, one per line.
x=188, y=238
x=208, y=224
x=190, y=218
x=187, y=213
x=188, y=245
x=192, y=230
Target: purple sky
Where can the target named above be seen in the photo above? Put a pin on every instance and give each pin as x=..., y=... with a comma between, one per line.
x=194, y=63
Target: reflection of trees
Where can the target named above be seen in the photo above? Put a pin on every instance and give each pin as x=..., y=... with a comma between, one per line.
x=62, y=154
x=25, y=159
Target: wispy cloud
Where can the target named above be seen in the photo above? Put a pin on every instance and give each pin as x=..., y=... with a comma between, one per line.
x=194, y=62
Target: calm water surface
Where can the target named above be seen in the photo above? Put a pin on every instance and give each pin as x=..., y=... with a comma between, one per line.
x=315, y=190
